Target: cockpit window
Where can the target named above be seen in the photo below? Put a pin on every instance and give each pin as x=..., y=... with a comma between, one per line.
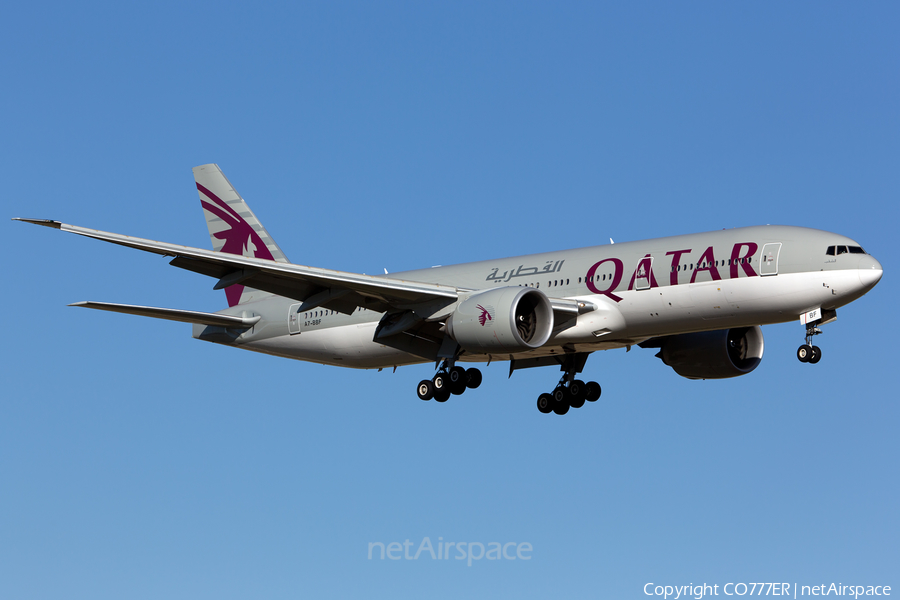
x=835, y=250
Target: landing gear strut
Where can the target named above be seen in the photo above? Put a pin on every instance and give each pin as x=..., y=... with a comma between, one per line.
x=807, y=352
x=449, y=380
x=569, y=393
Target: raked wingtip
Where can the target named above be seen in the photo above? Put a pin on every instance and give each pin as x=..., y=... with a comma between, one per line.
x=42, y=222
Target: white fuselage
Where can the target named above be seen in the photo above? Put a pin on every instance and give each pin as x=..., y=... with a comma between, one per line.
x=717, y=280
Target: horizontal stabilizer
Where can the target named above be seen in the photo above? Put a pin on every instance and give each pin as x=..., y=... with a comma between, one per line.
x=174, y=314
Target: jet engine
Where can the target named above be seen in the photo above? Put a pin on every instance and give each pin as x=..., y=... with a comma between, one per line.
x=713, y=354
x=507, y=319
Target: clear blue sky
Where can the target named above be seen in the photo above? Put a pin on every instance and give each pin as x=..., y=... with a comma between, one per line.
x=136, y=462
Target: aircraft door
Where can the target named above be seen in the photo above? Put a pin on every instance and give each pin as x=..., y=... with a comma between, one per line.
x=643, y=273
x=769, y=260
x=293, y=319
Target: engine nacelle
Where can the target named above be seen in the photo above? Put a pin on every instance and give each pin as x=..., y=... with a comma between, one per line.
x=507, y=319
x=714, y=354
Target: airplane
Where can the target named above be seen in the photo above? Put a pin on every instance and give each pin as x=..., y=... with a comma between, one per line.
x=699, y=299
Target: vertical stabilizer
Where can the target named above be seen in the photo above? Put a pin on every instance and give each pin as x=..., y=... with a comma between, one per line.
x=233, y=228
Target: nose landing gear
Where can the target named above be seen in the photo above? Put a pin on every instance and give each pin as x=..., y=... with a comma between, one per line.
x=808, y=353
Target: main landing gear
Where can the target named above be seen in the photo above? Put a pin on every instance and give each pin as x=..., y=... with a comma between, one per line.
x=448, y=380
x=808, y=353
x=569, y=393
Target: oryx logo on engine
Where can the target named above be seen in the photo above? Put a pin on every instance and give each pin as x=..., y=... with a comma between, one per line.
x=485, y=317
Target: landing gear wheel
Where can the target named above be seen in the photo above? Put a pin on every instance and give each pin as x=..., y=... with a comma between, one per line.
x=560, y=408
x=815, y=356
x=473, y=378
x=425, y=390
x=457, y=380
x=456, y=374
x=593, y=391
x=576, y=402
x=545, y=403
x=440, y=382
x=807, y=352
x=442, y=395
x=560, y=396
x=578, y=391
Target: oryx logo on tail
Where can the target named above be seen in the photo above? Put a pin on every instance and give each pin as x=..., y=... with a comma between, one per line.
x=239, y=237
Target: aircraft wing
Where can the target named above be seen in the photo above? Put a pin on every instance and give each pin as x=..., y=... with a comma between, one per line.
x=336, y=290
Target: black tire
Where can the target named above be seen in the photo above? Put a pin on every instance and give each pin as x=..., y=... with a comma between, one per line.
x=456, y=380
x=456, y=375
x=442, y=395
x=576, y=401
x=578, y=390
x=473, y=378
x=560, y=396
x=593, y=391
x=440, y=382
x=545, y=403
x=425, y=390
x=560, y=408
x=804, y=353
x=816, y=355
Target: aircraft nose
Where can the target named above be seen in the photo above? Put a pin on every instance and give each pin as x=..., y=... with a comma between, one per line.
x=869, y=271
